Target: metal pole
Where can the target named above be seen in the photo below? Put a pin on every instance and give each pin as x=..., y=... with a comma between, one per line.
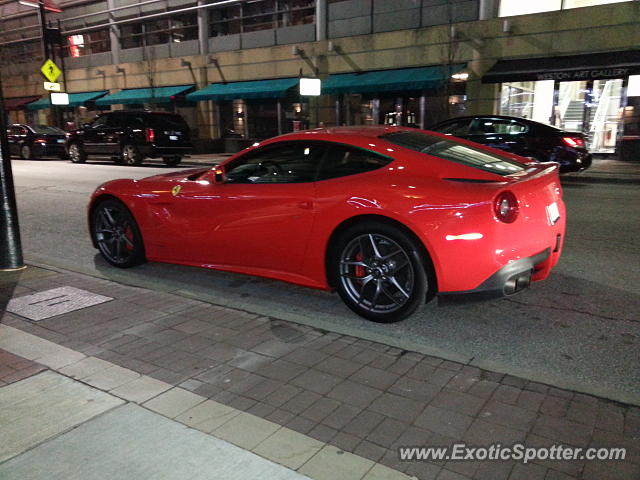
x=10, y=245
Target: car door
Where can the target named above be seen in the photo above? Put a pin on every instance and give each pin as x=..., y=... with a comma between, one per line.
x=260, y=218
x=93, y=135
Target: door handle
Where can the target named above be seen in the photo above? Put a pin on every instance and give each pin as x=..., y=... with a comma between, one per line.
x=306, y=205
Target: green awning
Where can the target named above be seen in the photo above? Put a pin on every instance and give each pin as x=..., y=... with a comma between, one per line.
x=420, y=78
x=143, y=95
x=75, y=100
x=245, y=90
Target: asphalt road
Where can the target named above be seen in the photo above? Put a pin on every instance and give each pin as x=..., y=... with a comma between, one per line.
x=579, y=329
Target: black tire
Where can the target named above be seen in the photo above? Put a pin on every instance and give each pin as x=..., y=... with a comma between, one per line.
x=130, y=155
x=77, y=153
x=116, y=234
x=172, y=161
x=26, y=152
x=402, y=281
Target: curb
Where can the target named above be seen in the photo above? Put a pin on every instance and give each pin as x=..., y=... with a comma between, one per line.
x=596, y=179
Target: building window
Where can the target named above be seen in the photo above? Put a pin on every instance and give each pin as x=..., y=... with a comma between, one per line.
x=86, y=43
x=533, y=100
x=178, y=28
x=260, y=15
x=131, y=35
x=509, y=8
x=184, y=27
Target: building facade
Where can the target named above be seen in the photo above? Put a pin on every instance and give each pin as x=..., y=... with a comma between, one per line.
x=232, y=68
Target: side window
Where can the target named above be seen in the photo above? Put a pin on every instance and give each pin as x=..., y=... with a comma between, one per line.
x=456, y=128
x=289, y=163
x=100, y=122
x=489, y=126
x=115, y=119
x=341, y=161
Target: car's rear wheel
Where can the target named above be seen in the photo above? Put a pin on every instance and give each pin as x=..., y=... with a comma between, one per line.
x=117, y=234
x=172, y=161
x=25, y=152
x=380, y=271
x=77, y=153
x=131, y=155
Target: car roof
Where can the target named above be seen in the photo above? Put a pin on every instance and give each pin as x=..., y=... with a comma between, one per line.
x=502, y=117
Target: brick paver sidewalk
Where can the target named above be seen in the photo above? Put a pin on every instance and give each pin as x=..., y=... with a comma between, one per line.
x=362, y=397
x=14, y=368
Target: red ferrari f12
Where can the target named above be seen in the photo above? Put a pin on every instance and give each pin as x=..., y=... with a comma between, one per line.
x=387, y=216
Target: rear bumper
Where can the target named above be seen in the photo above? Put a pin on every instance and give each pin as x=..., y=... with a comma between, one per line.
x=45, y=150
x=513, y=277
x=577, y=164
x=155, y=151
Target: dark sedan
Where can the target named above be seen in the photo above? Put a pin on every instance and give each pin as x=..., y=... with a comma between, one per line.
x=36, y=141
x=522, y=137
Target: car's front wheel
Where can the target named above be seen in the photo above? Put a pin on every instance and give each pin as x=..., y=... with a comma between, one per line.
x=380, y=271
x=116, y=234
x=25, y=152
x=131, y=155
x=77, y=153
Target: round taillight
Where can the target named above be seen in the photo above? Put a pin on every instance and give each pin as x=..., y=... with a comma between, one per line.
x=505, y=207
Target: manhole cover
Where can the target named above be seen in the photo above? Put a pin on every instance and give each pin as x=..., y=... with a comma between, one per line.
x=56, y=301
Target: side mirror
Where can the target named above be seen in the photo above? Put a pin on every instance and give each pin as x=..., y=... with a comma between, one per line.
x=218, y=174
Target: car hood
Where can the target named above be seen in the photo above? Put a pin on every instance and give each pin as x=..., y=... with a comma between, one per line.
x=190, y=174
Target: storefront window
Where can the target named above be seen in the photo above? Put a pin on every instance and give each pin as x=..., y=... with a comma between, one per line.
x=533, y=100
x=509, y=8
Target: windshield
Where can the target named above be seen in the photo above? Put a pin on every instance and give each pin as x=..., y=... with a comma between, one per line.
x=44, y=129
x=454, y=152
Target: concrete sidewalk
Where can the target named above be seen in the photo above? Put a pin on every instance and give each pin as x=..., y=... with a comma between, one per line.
x=104, y=380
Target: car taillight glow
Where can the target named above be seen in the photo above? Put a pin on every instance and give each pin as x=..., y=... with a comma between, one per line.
x=150, y=134
x=41, y=140
x=505, y=207
x=573, y=141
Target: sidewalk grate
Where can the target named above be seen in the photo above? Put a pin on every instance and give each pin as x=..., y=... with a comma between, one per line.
x=57, y=301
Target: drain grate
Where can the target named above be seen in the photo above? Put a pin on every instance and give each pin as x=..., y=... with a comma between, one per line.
x=56, y=301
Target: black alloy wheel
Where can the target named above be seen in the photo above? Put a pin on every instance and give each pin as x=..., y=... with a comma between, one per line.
x=117, y=234
x=25, y=152
x=131, y=155
x=380, y=272
x=77, y=153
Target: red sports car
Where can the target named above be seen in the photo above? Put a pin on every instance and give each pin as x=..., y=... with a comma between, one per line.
x=387, y=216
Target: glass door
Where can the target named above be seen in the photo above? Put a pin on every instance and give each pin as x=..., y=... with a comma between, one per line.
x=604, y=115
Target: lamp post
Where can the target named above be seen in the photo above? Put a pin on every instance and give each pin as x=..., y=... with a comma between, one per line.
x=10, y=245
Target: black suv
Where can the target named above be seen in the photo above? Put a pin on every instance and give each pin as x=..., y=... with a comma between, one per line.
x=128, y=136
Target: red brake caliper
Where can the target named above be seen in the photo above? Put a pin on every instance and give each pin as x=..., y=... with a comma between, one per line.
x=129, y=234
x=359, y=269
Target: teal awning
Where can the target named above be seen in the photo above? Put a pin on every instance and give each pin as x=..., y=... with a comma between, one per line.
x=75, y=100
x=244, y=90
x=420, y=78
x=143, y=95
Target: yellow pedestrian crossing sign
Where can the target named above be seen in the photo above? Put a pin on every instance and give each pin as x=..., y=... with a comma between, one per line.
x=50, y=70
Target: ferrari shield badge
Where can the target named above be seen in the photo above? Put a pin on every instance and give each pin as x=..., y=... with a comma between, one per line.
x=176, y=190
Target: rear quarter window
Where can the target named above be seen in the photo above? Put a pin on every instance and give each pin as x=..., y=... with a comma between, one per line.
x=173, y=122
x=453, y=151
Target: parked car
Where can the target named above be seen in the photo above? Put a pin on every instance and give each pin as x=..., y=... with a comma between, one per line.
x=387, y=216
x=522, y=137
x=130, y=136
x=36, y=141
